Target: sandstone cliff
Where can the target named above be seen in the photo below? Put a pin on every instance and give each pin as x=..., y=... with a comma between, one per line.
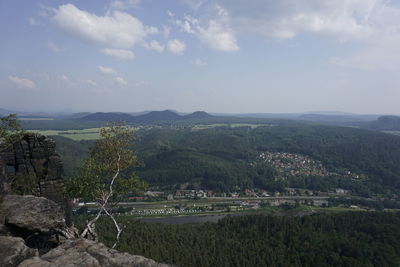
x=32, y=166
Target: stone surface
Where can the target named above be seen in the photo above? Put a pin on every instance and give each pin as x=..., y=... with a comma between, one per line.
x=83, y=252
x=39, y=221
x=13, y=251
x=35, y=214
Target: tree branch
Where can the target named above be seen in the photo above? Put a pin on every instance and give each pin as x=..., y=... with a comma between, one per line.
x=89, y=229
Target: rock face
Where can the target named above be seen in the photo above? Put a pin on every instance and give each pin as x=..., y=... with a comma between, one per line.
x=35, y=214
x=32, y=166
x=83, y=252
x=39, y=221
x=13, y=251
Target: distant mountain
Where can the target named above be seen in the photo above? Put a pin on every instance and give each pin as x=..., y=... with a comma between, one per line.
x=107, y=116
x=384, y=123
x=198, y=115
x=260, y=115
x=150, y=117
x=154, y=116
x=338, y=119
x=75, y=116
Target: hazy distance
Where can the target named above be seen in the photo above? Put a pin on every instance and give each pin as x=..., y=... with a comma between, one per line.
x=221, y=56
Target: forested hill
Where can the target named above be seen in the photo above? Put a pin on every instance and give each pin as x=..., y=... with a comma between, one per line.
x=384, y=123
x=106, y=116
x=151, y=117
x=175, y=153
x=225, y=158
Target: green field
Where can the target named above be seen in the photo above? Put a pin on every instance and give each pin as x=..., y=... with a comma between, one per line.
x=392, y=132
x=76, y=135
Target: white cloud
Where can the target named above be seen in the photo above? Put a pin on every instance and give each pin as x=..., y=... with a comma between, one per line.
x=371, y=25
x=107, y=70
x=118, y=53
x=90, y=82
x=170, y=13
x=64, y=78
x=125, y=4
x=120, y=80
x=166, y=31
x=116, y=29
x=53, y=47
x=284, y=19
x=176, y=46
x=156, y=46
x=185, y=24
x=216, y=33
x=33, y=21
x=22, y=82
x=198, y=62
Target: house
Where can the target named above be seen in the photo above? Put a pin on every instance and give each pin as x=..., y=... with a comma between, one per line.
x=341, y=191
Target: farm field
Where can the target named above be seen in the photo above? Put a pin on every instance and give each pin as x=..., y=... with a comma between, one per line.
x=76, y=135
x=36, y=119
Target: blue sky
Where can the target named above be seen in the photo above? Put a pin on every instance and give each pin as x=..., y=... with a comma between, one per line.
x=236, y=56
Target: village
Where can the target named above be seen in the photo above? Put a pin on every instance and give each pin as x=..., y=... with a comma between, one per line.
x=289, y=164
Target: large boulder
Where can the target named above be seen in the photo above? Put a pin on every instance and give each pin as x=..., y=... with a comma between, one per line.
x=35, y=214
x=83, y=252
x=13, y=251
x=39, y=221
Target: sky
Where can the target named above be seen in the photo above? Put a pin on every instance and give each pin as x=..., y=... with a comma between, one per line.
x=226, y=56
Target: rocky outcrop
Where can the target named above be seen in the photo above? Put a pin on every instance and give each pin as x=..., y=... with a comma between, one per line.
x=32, y=166
x=83, y=252
x=13, y=251
x=39, y=221
x=38, y=236
x=35, y=214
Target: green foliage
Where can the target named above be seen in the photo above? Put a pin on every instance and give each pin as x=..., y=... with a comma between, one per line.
x=105, y=170
x=24, y=184
x=224, y=158
x=73, y=153
x=342, y=239
x=10, y=129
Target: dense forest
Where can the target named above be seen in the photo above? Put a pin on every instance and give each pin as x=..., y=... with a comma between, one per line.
x=343, y=239
x=225, y=158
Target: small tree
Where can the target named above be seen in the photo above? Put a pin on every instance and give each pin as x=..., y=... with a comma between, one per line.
x=104, y=176
x=10, y=129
